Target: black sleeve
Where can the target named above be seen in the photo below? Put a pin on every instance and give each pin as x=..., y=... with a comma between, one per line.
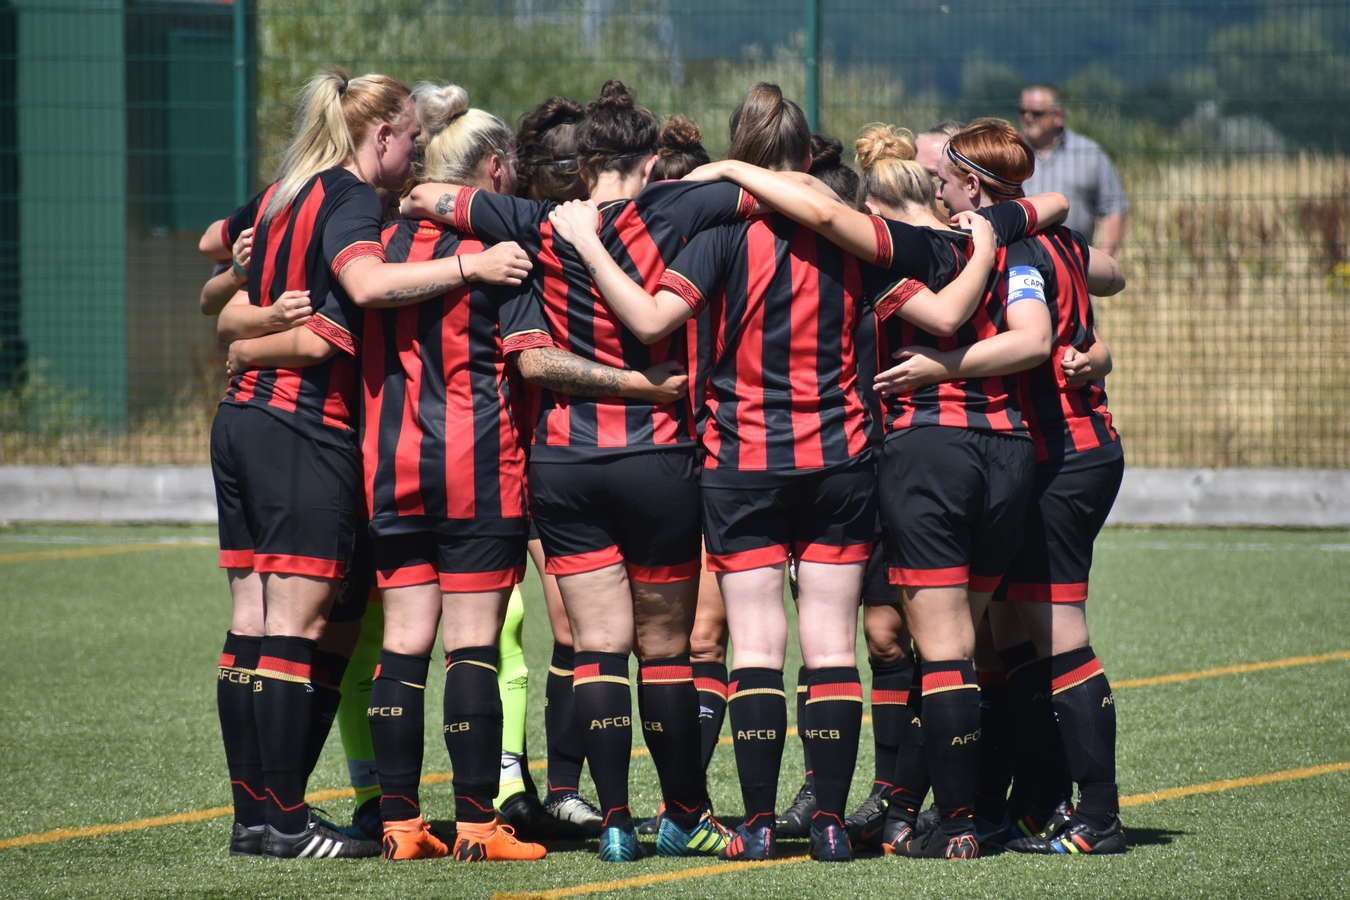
x=351, y=227
x=1012, y=220
x=693, y=206
x=241, y=218
x=905, y=250
x=521, y=319
x=699, y=270
x=496, y=217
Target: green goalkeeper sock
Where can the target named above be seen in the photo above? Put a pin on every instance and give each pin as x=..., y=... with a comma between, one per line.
x=513, y=679
x=353, y=724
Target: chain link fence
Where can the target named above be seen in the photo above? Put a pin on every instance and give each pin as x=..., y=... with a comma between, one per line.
x=125, y=127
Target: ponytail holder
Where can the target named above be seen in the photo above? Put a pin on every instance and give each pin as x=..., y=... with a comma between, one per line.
x=342, y=88
x=960, y=159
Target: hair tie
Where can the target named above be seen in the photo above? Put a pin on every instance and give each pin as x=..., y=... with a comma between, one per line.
x=961, y=160
x=342, y=88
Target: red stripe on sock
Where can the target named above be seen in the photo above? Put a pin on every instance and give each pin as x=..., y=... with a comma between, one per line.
x=840, y=689
x=944, y=679
x=884, y=696
x=226, y=660
x=710, y=686
x=666, y=673
x=590, y=670
x=270, y=664
x=1082, y=673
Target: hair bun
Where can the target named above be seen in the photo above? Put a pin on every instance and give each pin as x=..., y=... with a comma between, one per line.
x=615, y=95
x=878, y=142
x=826, y=152
x=439, y=105
x=680, y=134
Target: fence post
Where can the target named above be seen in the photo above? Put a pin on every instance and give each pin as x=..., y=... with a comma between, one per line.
x=241, y=101
x=811, y=51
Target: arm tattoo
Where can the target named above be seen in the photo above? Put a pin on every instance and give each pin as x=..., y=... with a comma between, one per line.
x=418, y=293
x=445, y=206
x=559, y=370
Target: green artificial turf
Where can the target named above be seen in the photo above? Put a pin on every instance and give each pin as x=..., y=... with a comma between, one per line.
x=109, y=665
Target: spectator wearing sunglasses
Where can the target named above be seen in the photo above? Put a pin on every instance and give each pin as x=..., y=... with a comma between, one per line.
x=1073, y=165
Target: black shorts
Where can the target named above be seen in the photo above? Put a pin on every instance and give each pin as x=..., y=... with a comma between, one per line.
x=823, y=515
x=877, y=589
x=459, y=564
x=953, y=505
x=640, y=510
x=286, y=504
x=1067, y=511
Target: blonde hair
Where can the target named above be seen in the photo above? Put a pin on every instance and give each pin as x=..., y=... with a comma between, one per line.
x=457, y=137
x=334, y=115
x=890, y=173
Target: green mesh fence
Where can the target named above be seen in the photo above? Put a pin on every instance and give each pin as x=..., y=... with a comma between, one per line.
x=126, y=127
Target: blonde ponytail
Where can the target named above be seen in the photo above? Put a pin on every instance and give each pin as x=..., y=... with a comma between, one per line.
x=334, y=115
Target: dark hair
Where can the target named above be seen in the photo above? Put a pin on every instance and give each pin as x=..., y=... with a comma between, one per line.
x=681, y=149
x=615, y=134
x=546, y=149
x=827, y=164
x=769, y=131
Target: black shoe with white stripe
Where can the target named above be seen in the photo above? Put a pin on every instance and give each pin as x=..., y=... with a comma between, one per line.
x=317, y=841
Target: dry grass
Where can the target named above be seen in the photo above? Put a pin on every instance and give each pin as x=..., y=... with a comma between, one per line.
x=1230, y=342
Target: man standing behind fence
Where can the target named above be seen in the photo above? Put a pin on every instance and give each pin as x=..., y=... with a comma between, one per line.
x=1075, y=166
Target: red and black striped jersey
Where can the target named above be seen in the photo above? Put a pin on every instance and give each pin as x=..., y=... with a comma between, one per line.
x=642, y=234
x=1067, y=423
x=441, y=448
x=334, y=219
x=927, y=257
x=783, y=306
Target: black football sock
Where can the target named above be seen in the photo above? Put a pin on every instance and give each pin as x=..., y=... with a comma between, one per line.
x=670, y=726
x=473, y=730
x=604, y=710
x=802, y=686
x=560, y=724
x=910, y=780
x=758, y=707
x=890, y=687
x=1087, y=725
x=234, y=703
x=286, y=698
x=1040, y=774
x=951, y=725
x=833, y=720
x=397, y=717
x=996, y=726
x=328, y=671
x=710, y=680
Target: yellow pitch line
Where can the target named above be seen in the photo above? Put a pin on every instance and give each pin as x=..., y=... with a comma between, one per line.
x=1178, y=677
x=65, y=834
x=647, y=880
x=1230, y=784
x=87, y=552
x=1209, y=787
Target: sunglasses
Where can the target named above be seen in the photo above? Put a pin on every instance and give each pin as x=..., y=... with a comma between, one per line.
x=1035, y=113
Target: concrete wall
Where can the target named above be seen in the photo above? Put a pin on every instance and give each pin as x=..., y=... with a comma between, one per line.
x=1274, y=497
